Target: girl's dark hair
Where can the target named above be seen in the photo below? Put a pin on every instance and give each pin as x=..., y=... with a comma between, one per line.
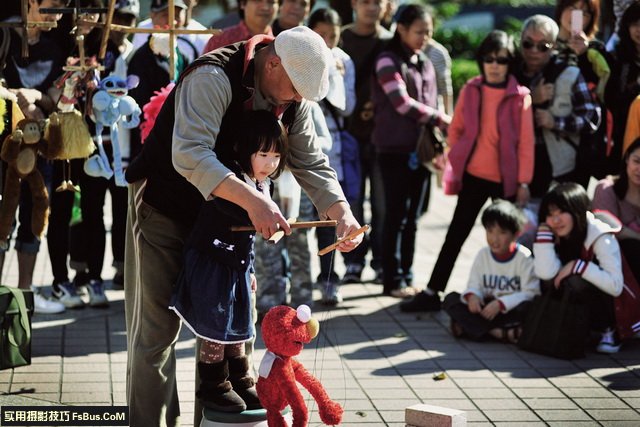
x=405, y=17
x=573, y=199
x=593, y=6
x=495, y=41
x=262, y=132
x=621, y=184
x=324, y=16
x=505, y=215
x=626, y=49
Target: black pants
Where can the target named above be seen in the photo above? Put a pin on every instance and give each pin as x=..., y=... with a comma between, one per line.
x=475, y=192
x=92, y=228
x=474, y=325
x=61, y=205
x=404, y=191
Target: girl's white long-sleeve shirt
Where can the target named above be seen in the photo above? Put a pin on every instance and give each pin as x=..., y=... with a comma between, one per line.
x=606, y=274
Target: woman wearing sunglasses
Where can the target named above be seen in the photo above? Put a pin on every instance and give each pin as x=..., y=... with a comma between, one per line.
x=491, y=154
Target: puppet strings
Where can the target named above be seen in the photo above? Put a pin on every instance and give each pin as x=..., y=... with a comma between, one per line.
x=328, y=339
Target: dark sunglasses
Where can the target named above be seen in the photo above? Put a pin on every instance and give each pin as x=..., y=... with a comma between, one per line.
x=501, y=60
x=542, y=46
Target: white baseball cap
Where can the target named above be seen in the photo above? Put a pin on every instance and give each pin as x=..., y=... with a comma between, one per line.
x=306, y=59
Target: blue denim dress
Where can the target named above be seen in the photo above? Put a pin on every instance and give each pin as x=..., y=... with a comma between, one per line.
x=212, y=295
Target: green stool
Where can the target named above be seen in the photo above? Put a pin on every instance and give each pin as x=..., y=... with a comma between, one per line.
x=254, y=418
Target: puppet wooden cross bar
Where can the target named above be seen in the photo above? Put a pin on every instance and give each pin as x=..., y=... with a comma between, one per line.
x=172, y=31
x=301, y=224
x=78, y=12
x=331, y=247
x=24, y=24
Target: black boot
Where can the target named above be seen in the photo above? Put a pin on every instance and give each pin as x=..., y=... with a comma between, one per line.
x=216, y=392
x=242, y=382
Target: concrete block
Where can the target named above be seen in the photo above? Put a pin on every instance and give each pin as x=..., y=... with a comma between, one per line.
x=423, y=415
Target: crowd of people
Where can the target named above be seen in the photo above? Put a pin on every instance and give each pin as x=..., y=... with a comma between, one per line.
x=287, y=114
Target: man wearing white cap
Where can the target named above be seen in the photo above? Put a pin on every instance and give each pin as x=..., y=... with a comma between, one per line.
x=180, y=167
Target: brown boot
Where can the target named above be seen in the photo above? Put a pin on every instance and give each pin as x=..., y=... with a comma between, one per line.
x=215, y=391
x=242, y=382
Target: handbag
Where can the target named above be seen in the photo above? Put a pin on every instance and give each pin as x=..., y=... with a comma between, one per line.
x=16, y=309
x=556, y=325
x=430, y=143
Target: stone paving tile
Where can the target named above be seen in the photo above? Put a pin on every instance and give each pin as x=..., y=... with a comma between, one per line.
x=393, y=404
x=573, y=424
x=84, y=397
x=550, y=403
x=463, y=373
x=615, y=414
x=619, y=423
x=562, y=415
x=465, y=383
x=399, y=393
x=520, y=424
x=476, y=416
x=634, y=402
x=39, y=377
x=489, y=404
x=603, y=403
x=75, y=387
x=521, y=373
x=510, y=416
x=574, y=392
x=574, y=382
x=489, y=393
x=37, y=387
x=444, y=393
x=526, y=382
x=83, y=378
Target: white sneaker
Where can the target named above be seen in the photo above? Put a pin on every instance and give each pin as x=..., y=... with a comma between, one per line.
x=609, y=344
x=67, y=295
x=42, y=305
x=97, y=298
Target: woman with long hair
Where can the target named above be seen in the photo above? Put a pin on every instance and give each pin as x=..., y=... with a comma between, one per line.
x=576, y=249
x=405, y=97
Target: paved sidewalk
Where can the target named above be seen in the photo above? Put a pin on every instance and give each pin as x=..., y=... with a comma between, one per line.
x=373, y=359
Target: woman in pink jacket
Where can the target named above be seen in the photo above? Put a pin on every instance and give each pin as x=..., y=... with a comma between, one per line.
x=491, y=154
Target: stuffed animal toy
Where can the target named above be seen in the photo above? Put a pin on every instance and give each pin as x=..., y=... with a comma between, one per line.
x=285, y=331
x=77, y=140
x=111, y=106
x=20, y=150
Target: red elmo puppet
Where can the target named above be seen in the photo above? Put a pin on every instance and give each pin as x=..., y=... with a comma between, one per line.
x=285, y=331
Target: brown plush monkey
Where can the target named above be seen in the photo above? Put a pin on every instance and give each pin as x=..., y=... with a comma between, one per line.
x=20, y=150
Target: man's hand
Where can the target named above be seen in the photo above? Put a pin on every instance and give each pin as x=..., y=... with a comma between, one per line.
x=347, y=224
x=474, y=303
x=542, y=92
x=266, y=217
x=544, y=119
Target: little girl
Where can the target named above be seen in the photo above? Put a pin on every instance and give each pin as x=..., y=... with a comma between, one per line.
x=577, y=248
x=213, y=291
